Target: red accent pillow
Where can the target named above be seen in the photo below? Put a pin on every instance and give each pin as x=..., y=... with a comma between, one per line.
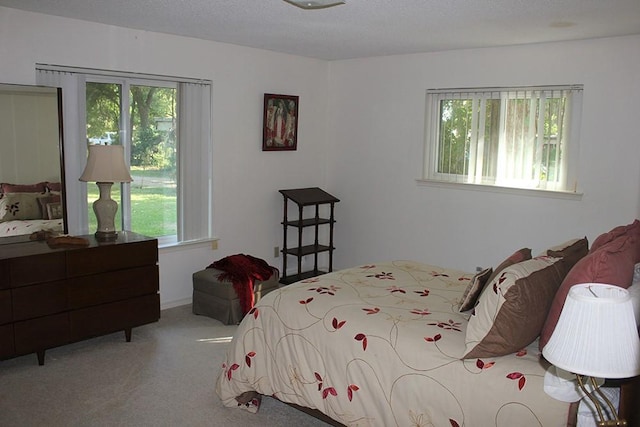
x=611, y=263
x=621, y=230
x=40, y=187
x=54, y=186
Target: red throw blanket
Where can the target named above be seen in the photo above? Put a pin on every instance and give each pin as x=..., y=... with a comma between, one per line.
x=243, y=271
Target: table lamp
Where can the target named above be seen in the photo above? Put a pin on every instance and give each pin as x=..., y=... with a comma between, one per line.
x=105, y=165
x=596, y=337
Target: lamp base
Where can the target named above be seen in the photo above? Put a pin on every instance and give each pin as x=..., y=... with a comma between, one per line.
x=602, y=422
x=106, y=236
x=612, y=423
x=105, y=209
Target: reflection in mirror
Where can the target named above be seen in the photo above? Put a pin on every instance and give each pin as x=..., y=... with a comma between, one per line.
x=31, y=162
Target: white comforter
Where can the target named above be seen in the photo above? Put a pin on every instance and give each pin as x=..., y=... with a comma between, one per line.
x=18, y=227
x=380, y=345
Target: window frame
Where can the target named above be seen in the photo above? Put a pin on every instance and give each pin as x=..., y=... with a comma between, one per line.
x=125, y=84
x=195, y=198
x=431, y=174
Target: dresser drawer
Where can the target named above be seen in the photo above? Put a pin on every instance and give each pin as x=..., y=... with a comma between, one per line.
x=7, y=348
x=117, y=285
x=40, y=268
x=117, y=316
x=39, y=300
x=5, y=307
x=100, y=259
x=4, y=274
x=41, y=333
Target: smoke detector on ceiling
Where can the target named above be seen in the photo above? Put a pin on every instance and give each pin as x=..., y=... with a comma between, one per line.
x=314, y=4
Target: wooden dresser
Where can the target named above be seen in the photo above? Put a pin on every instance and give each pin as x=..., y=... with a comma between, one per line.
x=51, y=297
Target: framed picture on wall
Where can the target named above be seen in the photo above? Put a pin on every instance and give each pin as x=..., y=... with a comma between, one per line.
x=280, y=130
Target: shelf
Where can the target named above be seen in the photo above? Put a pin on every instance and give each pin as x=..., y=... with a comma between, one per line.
x=309, y=196
x=305, y=197
x=308, y=250
x=309, y=222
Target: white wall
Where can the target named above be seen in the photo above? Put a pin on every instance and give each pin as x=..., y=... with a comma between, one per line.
x=248, y=207
x=376, y=125
x=368, y=149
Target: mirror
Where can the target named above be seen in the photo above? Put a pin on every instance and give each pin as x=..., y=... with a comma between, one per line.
x=31, y=162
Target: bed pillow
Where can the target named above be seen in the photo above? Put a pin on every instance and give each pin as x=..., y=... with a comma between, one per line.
x=571, y=252
x=512, y=308
x=611, y=263
x=54, y=210
x=474, y=289
x=19, y=206
x=621, y=230
x=44, y=202
x=24, y=188
x=54, y=186
x=572, y=247
x=516, y=257
x=634, y=292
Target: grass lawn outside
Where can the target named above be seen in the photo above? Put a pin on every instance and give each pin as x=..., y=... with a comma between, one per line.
x=153, y=203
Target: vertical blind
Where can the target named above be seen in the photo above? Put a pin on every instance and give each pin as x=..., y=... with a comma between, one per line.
x=194, y=161
x=194, y=158
x=512, y=137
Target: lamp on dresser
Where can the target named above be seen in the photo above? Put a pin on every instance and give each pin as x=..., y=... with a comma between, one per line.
x=105, y=165
x=596, y=337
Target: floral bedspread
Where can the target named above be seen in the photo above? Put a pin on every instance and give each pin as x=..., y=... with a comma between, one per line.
x=380, y=345
x=17, y=227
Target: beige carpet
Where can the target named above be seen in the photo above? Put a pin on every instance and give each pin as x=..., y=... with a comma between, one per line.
x=164, y=377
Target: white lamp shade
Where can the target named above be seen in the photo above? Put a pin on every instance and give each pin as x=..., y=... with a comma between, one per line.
x=105, y=163
x=596, y=334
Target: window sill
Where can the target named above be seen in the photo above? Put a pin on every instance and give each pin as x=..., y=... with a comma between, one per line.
x=172, y=246
x=566, y=195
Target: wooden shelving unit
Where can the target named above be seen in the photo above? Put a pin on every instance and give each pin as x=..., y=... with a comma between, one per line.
x=304, y=197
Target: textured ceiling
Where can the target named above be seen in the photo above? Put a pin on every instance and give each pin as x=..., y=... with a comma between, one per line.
x=359, y=28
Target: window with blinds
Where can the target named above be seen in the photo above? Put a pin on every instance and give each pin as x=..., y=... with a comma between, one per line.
x=508, y=137
x=164, y=123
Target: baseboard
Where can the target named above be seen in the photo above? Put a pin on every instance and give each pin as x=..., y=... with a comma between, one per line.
x=176, y=303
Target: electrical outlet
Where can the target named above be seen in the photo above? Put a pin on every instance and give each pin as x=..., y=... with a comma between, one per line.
x=276, y=251
x=214, y=245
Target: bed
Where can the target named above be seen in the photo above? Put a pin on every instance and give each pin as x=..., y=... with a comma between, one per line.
x=28, y=208
x=20, y=227
x=387, y=344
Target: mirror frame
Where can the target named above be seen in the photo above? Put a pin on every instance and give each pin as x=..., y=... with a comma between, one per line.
x=9, y=87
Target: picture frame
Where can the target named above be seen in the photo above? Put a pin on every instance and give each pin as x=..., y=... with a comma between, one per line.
x=280, y=122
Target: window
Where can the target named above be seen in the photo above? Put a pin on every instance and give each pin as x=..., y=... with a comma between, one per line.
x=164, y=125
x=507, y=137
x=149, y=111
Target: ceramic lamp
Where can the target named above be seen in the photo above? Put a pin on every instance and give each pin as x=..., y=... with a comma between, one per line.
x=105, y=165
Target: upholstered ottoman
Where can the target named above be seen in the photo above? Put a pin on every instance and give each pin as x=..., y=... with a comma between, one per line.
x=218, y=299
